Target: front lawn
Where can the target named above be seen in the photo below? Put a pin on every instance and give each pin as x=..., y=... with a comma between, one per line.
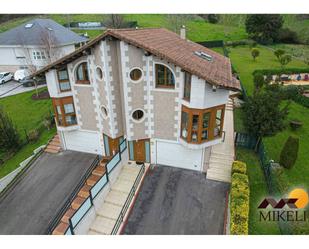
x=27, y=114
x=258, y=191
x=245, y=65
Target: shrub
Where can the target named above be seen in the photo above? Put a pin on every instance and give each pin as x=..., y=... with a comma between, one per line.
x=255, y=53
x=239, y=167
x=239, y=205
x=9, y=137
x=213, y=18
x=259, y=81
x=279, y=52
x=47, y=122
x=33, y=135
x=289, y=152
x=288, y=36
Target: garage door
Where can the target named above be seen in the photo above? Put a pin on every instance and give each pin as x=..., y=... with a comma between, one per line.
x=82, y=141
x=176, y=155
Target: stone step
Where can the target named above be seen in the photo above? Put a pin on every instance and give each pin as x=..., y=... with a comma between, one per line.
x=103, y=225
x=53, y=147
x=218, y=177
x=128, y=176
x=131, y=169
x=52, y=151
x=221, y=155
x=99, y=171
x=116, y=197
x=91, y=232
x=60, y=229
x=92, y=180
x=77, y=202
x=68, y=214
x=122, y=186
x=220, y=162
x=55, y=143
x=219, y=170
x=216, y=157
x=85, y=191
x=109, y=210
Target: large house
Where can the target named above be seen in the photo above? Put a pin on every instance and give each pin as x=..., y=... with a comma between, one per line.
x=35, y=44
x=166, y=95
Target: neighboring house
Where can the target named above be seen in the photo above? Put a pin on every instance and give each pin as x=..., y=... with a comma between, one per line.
x=35, y=44
x=164, y=94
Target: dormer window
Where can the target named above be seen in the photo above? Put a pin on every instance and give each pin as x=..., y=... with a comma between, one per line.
x=63, y=79
x=81, y=74
x=164, y=77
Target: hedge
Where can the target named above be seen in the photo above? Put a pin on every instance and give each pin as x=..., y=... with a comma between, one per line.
x=239, y=167
x=281, y=71
x=289, y=152
x=239, y=205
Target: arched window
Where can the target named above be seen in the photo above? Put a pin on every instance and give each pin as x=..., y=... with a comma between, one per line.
x=164, y=77
x=81, y=73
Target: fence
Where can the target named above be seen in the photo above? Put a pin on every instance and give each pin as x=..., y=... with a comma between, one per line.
x=212, y=44
x=80, y=213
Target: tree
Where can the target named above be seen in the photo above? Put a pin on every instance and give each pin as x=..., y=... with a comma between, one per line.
x=289, y=152
x=255, y=52
x=259, y=81
x=263, y=113
x=264, y=28
x=213, y=18
x=279, y=53
x=9, y=137
x=176, y=21
x=114, y=21
x=285, y=59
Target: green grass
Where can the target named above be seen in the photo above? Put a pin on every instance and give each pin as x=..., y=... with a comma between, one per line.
x=298, y=176
x=238, y=120
x=258, y=191
x=27, y=114
x=245, y=65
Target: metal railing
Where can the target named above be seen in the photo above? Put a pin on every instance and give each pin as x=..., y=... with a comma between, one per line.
x=83, y=209
x=52, y=225
x=128, y=201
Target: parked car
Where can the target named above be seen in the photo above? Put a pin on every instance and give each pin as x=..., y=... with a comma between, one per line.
x=5, y=77
x=28, y=81
x=21, y=74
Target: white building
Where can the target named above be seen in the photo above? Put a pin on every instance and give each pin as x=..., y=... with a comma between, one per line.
x=36, y=44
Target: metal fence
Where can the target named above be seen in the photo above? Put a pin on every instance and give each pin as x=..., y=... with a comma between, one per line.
x=80, y=213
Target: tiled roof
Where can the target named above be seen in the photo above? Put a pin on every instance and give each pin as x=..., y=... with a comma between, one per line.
x=169, y=46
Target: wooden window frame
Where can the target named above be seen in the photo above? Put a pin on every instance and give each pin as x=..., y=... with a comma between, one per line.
x=61, y=102
x=165, y=85
x=84, y=66
x=211, y=123
x=187, y=85
x=63, y=81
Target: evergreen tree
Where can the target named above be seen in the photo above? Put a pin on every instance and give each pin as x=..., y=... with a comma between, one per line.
x=289, y=152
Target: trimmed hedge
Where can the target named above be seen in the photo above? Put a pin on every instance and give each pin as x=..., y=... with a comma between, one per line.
x=289, y=152
x=239, y=205
x=239, y=167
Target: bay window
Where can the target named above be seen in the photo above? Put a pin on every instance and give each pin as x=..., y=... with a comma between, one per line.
x=63, y=79
x=201, y=125
x=64, y=111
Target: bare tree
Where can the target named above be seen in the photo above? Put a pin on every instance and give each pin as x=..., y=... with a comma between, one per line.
x=175, y=21
x=114, y=21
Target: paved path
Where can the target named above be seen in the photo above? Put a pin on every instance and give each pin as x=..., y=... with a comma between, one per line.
x=108, y=213
x=32, y=204
x=13, y=87
x=178, y=201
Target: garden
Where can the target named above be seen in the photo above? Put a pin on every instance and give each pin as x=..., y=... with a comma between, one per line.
x=29, y=121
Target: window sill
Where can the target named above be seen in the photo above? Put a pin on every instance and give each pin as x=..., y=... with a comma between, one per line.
x=202, y=145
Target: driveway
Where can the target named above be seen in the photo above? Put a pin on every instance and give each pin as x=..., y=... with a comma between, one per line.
x=13, y=87
x=34, y=201
x=177, y=201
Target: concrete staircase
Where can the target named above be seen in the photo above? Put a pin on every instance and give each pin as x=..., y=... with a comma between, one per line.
x=108, y=213
x=54, y=146
x=222, y=155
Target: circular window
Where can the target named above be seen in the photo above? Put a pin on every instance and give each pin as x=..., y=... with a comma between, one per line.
x=136, y=74
x=104, y=111
x=138, y=115
x=99, y=73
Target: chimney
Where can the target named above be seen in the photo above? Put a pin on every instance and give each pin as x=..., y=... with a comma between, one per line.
x=183, y=32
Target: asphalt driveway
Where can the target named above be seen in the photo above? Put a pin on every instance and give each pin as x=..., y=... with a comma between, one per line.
x=177, y=201
x=32, y=203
